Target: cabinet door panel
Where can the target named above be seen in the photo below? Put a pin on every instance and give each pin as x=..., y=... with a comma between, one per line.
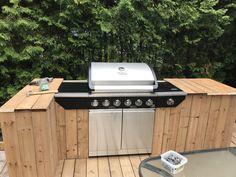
x=137, y=130
x=104, y=131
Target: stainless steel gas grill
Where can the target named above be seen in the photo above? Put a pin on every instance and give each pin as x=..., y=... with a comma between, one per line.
x=121, y=98
x=121, y=77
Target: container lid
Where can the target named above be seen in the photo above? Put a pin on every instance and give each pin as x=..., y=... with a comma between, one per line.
x=121, y=77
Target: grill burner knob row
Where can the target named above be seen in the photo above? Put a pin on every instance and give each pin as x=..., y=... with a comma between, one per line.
x=128, y=102
x=149, y=102
x=94, y=103
x=138, y=102
x=170, y=102
x=106, y=103
x=116, y=103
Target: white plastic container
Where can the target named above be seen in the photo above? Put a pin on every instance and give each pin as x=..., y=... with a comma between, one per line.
x=173, y=168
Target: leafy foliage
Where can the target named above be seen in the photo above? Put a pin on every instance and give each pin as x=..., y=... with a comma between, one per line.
x=60, y=38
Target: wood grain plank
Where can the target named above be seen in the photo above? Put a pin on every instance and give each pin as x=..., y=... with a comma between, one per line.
x=11, y=144
x=53, y=132
x=211, y=125
x=183, y=124
x=80, y=168
x=41, y=139
x=221, y=121
x=44, y=101
x=135, y=161
x=26, y=143
x=69, y=167
x=173, y=126
x=158, y=131
x=82, y=120
x=202, y=122
x=71, y=133
x=28, y=101
x=203, y=83
x=92, y=167
x=59, y=168
x=194, y=86
x=115, y=167
x=230, y=125
x=11, y=104
x=126, y=166
x=219, y=88
x=61, y=131
x=193, y=124
x=103, y=167
x=166, y=131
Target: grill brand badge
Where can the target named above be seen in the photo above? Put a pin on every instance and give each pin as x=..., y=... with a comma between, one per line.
x=121, y=70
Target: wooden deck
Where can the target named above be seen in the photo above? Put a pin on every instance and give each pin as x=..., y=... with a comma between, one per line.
x=122, y=166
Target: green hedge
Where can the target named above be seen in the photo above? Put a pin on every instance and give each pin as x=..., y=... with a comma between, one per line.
x=60, y=38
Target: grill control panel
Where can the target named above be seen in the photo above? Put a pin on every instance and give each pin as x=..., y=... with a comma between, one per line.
x=77, y=95
x=132, y=102
x=119, y=102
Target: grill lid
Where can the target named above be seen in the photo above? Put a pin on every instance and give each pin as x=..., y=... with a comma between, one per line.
x=121, y=77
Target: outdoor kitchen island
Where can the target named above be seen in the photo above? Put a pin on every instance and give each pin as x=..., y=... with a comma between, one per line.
x=38, y=132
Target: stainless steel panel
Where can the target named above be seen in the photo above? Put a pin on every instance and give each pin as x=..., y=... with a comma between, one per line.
x=104, y=131
x=137, y=130
x=121, y=77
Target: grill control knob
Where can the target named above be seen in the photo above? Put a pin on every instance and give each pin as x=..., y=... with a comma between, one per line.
x=170, y=102
x=116, y=103
x=106, y=103
x=138, y=102
x=149, y=102
x=127, y=102
x=94, y=103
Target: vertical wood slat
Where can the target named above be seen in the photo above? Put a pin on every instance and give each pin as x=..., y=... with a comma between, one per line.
x=26, y=143
x=53, y=132
x=213, y=116
x=183, y=124
x=231, y=119
x=61, y=131
x=166, y=130
x=82, y=120
x=158, y=131
x=11, y=144
x=221, y=121
x=173, y=127
x=71, y=134
x=42, y=149
x=202, y=122
x=193, y=122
